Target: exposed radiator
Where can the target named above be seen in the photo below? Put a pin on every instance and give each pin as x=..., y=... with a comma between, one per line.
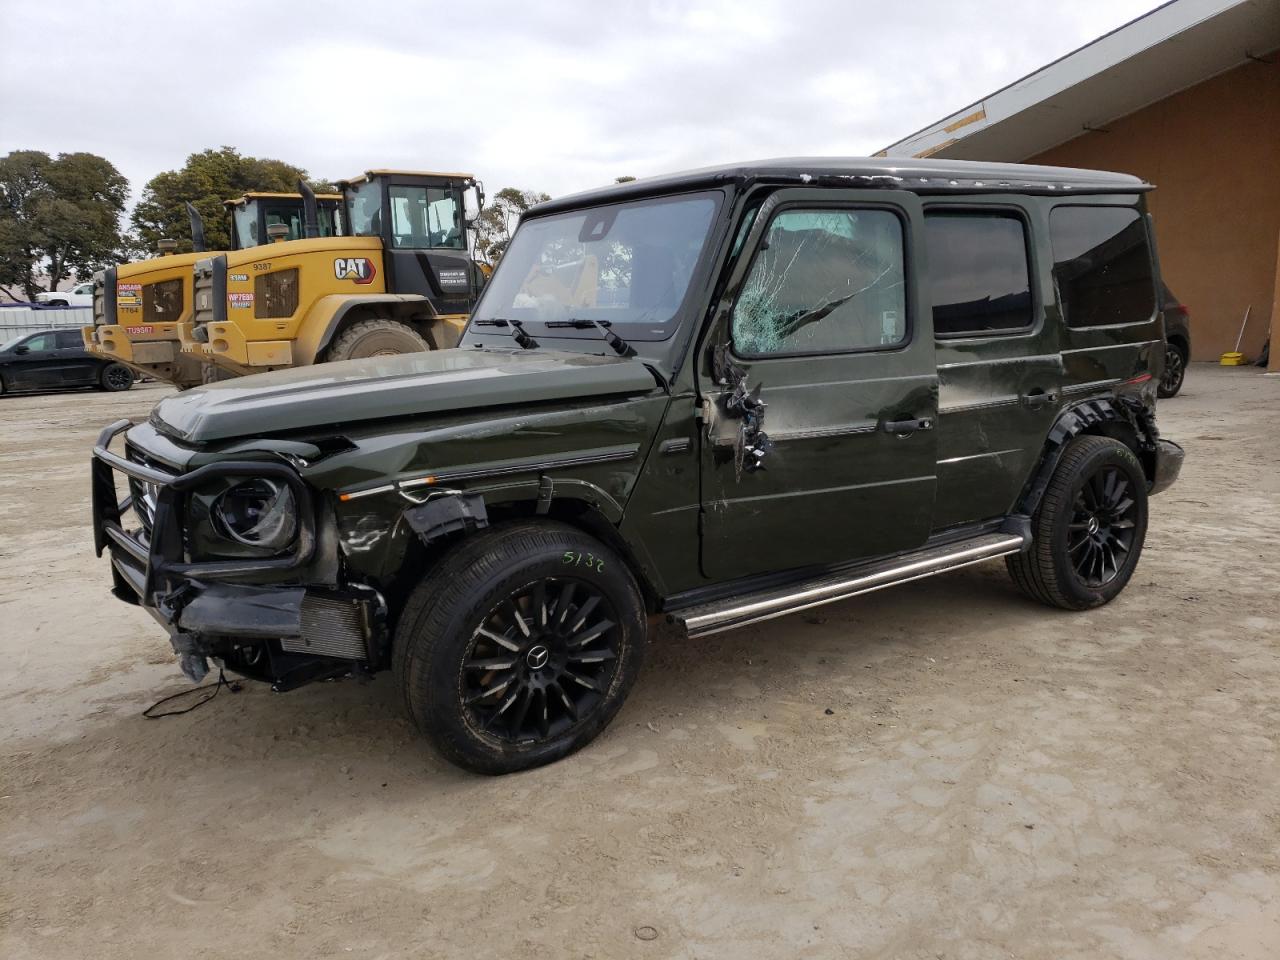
x=331, y=627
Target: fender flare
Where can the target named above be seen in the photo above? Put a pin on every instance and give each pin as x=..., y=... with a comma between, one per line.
x=1088, y=416
x=326, y=316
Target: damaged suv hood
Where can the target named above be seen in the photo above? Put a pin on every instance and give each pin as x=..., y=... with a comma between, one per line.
x=405, y=385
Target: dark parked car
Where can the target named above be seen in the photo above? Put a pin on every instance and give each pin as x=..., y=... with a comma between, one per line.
x=716, y=397
x=56, y=359
x=1177, y=340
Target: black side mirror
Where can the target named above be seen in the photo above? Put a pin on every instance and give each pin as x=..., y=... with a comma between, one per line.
x=21, y=350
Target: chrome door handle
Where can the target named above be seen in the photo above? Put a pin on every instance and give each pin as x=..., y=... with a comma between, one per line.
x=903, y=427
x=1035, y=399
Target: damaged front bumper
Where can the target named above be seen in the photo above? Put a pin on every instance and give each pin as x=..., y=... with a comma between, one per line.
x=287, y=633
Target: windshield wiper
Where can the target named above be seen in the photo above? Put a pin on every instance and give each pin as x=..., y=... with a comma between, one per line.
x=517, y=331
x=620, y=346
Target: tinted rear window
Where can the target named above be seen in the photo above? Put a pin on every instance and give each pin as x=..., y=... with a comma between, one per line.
x=979, y=281
x=1102, y=265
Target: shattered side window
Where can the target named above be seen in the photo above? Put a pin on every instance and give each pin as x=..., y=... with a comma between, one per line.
x=824, y=281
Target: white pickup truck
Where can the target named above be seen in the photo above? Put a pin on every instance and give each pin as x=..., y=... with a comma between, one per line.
x=81, y=295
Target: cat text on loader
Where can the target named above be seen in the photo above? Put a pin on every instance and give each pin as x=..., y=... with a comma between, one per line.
x=138, y=306
x=402, y=281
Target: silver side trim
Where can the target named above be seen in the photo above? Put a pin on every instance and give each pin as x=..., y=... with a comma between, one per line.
x=740, y=611
x=823, y=433
x=524, y=466
x=977, y=456
x=944, y=409
x=1113, y=346
x=1074, y=388
x=956, y=364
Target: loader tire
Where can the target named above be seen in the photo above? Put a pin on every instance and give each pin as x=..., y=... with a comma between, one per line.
x=376, y=338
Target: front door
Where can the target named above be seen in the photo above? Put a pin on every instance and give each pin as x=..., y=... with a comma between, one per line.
x=36, y=364
x=820, y=325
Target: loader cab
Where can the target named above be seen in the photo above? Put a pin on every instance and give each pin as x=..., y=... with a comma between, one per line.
x=255, y=214
x=422, y=220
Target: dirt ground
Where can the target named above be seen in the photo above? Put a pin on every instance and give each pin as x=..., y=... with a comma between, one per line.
x=941, y=770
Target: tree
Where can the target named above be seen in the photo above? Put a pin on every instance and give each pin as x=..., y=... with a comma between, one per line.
x=59, y=218
x=206, y=180
x=496, y=223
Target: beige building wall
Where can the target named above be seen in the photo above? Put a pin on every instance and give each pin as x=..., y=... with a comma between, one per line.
x=1213, y=152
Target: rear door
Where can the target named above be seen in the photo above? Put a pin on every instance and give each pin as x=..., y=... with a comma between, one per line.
x=820, y=325
x=999, y=370
x=77, y=367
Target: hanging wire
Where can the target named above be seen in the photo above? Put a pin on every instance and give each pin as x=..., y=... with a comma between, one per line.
x=232, y=685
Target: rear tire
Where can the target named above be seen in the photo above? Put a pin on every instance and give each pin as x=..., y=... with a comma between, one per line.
x=1088, y=532
x=376, y=338
x=520, y=646
x=115, y=378
x=1175, y=371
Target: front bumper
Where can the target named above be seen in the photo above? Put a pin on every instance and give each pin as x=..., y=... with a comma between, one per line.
x=286, y=633
x=1168, y=464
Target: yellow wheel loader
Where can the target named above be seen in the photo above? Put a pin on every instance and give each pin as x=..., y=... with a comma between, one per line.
x=402, y=280
x=138, y=306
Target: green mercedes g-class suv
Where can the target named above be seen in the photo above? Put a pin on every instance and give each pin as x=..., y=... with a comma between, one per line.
x=716, y=397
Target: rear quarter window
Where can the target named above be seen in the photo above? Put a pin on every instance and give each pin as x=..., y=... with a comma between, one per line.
x=1102, y=265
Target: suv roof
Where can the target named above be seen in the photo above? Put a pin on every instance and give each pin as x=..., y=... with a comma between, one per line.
x=918, y=176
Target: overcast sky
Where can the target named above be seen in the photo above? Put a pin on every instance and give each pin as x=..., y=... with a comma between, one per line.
x=553, y=96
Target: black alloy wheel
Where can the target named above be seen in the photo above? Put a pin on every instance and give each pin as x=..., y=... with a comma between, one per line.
x=1101, y=531
x=1175, y=370
x=519, y=645
x=117, y=377
x=541, y=661
x=1089, y=528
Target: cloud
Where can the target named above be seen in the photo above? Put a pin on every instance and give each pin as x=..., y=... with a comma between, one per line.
x=556, y=97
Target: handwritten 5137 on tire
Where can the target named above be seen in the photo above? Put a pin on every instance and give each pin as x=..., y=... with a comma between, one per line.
x=520, y=647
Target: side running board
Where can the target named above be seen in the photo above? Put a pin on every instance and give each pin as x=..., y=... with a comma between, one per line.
x=766, y=604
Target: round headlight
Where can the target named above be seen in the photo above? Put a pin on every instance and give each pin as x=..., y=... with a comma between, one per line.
x=258, y=513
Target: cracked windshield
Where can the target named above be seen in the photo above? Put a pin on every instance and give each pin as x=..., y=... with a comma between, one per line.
x=626, y=264
x=824, y=281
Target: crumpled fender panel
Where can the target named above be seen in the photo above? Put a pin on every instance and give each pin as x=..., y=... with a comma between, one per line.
x=1085, y=417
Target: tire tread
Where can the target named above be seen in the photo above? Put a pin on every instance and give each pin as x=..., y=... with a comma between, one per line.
x=459, y=580
x=1035, y=571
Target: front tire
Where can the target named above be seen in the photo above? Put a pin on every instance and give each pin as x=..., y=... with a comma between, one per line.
x=376, y=338
x=1089, y=529
x=115, y=377
x=1175, y=371
x=520, y=646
